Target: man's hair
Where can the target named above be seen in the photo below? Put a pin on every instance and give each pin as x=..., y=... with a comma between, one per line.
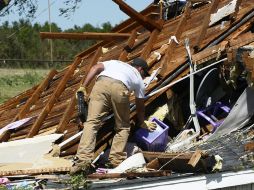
x=139, y=62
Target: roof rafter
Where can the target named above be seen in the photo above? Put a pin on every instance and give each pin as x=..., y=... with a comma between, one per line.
x=84, y=35
x=148, y=24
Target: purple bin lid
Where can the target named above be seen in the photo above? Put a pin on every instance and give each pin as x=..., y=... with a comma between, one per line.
x=152, y=136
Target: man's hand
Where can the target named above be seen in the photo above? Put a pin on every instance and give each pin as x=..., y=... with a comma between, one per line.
x=149, y=125
x=83, y=90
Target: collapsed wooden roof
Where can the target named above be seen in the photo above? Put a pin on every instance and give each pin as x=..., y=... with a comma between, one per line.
x=52, y=103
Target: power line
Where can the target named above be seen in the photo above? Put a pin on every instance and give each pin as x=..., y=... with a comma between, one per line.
x=7, y=9
x=20, y=28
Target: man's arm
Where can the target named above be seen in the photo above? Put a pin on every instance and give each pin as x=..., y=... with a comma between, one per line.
x=140, y=109
x=150, y=126
x=95, y=70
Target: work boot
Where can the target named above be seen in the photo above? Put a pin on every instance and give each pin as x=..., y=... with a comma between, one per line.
x=84, y=168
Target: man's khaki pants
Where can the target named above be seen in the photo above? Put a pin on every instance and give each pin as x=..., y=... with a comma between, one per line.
x=107, y=94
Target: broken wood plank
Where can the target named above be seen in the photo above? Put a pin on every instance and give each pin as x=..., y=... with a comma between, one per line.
x=242, y=40
x=124, y=26
x=34, y=171
x=195, y=158
x=249, y=146
x=205, y=23
x=130, y=43
x=157, y=55
x=154, y=164
x=234, y=15
x=146, y=23
x=149, y=45
x=47, y=108
x=84, y=36
x=210, y=53
x=130, y=175
x=165, y=62
x=4, y=137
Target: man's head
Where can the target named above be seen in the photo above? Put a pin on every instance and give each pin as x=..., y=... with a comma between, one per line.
x=141, y=65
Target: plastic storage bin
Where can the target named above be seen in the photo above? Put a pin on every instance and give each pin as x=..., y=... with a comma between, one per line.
x=155, y=141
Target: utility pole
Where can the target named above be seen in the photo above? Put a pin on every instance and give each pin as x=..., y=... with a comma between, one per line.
x=50, y=40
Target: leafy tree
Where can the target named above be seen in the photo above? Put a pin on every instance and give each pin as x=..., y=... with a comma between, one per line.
x=29, y=7
x=21, y=40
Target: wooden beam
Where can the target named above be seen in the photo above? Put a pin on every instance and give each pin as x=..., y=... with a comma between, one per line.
x=84, y=36
x=53, y=98
x=149, y=45
x=130, y=43
x=126, y=26
x=154, y=164
x=209, y=53
x=249, y=146
x=35, y=171
x=130, y=174
x=195, y=158
x=148, y=24
x=69, y=110
x=165, y=63
x=242, y=40
x=5, y=136
x=92, y=49
x=35, y=96
x=205, y=23
x=154, y=57
x=234, y=15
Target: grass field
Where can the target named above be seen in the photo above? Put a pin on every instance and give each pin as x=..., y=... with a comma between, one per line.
x=15, y=81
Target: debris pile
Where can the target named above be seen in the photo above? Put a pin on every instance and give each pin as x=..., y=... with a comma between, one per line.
x=200, y=94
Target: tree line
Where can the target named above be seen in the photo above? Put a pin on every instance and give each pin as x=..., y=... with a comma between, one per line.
x=21, y=46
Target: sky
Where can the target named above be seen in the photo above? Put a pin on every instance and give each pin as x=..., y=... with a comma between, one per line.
x=95, y=12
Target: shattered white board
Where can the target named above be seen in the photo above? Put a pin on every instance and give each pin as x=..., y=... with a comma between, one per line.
x=223, y=12
x=239, y=115
x=15, y=125
x=27, y=150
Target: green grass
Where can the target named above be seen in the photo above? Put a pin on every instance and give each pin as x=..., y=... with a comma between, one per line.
x=16, y=81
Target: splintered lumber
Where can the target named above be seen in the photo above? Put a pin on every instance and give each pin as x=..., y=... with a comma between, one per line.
x=130, y=43
x=69, y=110
x=149, y=45
x=210, y=53
x=234, y=15
x=146, y=23
x=243, y=40
x=34, y=171
x=195, y=158
x=155, y=55
x=180, y=162
x=206, y=21
x=91, y=49
x=47, y=108
x=154, y=164
x=130, y=174
x=127, y=24
x=84, y=36
x=165, y=63
x=249, y=146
